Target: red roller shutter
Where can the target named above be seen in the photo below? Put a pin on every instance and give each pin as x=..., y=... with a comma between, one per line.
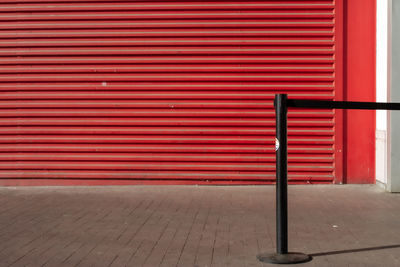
x=114, y=92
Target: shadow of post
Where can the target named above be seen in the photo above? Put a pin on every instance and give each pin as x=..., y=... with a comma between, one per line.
x=353, y=250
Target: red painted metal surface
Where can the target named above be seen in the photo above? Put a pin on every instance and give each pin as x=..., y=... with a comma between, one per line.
x=360, y=124
x=339, y=90
x=168, y=92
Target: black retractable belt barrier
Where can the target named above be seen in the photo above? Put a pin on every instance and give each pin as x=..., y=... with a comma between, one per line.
x=281, y=104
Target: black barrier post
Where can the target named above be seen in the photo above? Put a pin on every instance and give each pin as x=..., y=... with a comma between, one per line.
x=282, y=256
x=281, y=103
x=281, y=175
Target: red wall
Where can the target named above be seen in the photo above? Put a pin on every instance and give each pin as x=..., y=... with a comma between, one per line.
x=359, y=85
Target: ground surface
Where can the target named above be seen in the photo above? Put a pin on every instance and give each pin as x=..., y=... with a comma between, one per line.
x=195, y=225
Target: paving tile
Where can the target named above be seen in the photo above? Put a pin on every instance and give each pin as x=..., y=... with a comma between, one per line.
x=346, y=225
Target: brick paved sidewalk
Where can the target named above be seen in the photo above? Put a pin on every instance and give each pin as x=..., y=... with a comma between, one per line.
x=195, y=225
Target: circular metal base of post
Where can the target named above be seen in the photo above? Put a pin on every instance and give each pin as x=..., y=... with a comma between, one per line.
x=288, y=258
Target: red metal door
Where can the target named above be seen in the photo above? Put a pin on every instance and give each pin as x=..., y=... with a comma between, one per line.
x=121, y=92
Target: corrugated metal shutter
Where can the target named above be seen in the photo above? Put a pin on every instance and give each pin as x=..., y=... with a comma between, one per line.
x=163, y=91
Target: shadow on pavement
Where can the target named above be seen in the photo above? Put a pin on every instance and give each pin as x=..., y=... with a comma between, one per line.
x=353, y=250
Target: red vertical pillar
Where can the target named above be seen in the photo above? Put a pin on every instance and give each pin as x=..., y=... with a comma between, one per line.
x=359, y=85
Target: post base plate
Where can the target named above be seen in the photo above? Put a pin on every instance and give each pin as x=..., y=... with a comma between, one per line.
x=288, y=258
